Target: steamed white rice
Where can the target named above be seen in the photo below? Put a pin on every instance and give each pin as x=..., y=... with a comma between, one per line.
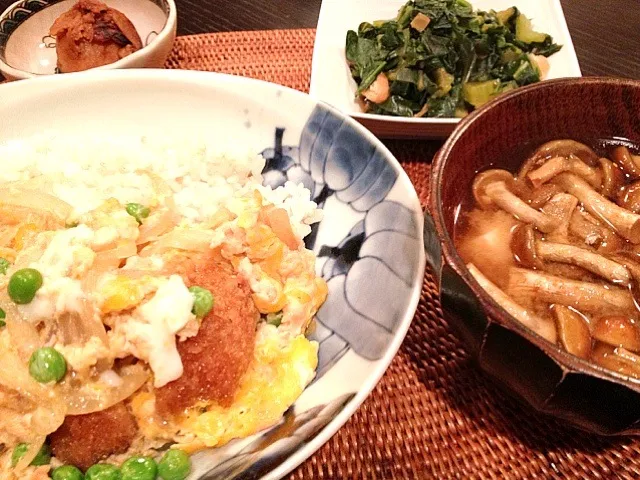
x=85, y=172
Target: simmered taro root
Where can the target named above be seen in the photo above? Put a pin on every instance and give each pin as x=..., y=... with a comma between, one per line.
x=92, y=34
x=557, y=245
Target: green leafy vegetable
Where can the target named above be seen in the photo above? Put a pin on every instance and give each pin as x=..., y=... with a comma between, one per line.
x=443, y=59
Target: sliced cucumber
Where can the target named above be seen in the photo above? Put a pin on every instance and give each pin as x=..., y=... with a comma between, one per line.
x=479, y=93
x=525, y=32
x=506, y=15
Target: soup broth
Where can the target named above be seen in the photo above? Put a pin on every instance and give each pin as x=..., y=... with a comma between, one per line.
x=557, y=244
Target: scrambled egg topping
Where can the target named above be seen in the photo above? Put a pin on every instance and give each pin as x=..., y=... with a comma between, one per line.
x=149, y=334
x=114, y=238
x=99, y=270
x=146, y=312
x=276, y=378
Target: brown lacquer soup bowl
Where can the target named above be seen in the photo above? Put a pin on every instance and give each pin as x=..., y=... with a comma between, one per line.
x=602, y=113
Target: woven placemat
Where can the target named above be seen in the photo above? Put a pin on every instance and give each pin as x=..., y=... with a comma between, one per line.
x=433, y=414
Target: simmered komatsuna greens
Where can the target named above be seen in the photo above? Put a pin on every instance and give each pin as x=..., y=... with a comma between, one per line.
x=440, y=58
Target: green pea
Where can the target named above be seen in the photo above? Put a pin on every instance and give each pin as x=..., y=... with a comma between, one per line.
x=47, y=365
x=67, y=472
x=43, y=457
x=174, y=465
x=202, y=301
x=3, y=315
x=139, y=468
x=138, y=211
x=24, y=284
x=103, y=471
x=4, y=265
x=274, y=319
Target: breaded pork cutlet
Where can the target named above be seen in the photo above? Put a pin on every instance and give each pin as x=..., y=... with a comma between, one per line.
x=83, y=440
x=214, y=361
x=217, y=357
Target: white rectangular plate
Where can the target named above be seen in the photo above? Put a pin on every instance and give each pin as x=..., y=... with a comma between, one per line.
x=331, y=80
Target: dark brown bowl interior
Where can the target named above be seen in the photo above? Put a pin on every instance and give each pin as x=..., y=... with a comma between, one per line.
x=502, y=134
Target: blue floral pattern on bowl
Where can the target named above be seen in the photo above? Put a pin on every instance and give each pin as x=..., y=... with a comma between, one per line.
x=384, y=242
x=334, y=161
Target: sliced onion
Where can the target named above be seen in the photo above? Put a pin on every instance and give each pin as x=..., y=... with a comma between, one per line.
x=29, y=255
x=106, y=260
x=69, y=329
x=111, y=258
x=136, y=273
x=46, y=408
x=91, y=278
x=161, y=187
x=165, y=218
x=78, y=328
x=8, y=253
x=32, y=450
x=91, y=397
x=36, y=200
x=192, y=240
x=124, y=249
x=91, y=323
x=157, y=224
x=7, y=235
x=24, y=336
x=14, y=375
x=221, y=216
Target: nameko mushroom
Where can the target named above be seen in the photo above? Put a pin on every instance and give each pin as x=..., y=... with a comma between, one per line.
x=557, y=245
x=495, y=187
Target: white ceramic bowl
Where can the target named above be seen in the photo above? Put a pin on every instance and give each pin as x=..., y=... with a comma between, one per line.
x=27, y=50
x=369, y=244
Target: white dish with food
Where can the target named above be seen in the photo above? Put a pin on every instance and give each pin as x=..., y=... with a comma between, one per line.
x=30, y=43
x=332, y=81
x=192, y=269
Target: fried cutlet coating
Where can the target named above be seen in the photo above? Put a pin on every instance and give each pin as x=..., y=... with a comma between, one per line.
x=217, y=357
x=83, y=440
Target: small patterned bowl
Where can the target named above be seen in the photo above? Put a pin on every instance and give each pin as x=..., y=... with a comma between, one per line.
x=369, y=244
x=502, y=134
x=27, y=50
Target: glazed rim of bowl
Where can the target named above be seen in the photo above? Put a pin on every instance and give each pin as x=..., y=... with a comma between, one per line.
x=451, y=256
x=169, y=25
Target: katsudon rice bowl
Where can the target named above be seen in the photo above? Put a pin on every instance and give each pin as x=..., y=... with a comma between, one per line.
x=154, y=295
